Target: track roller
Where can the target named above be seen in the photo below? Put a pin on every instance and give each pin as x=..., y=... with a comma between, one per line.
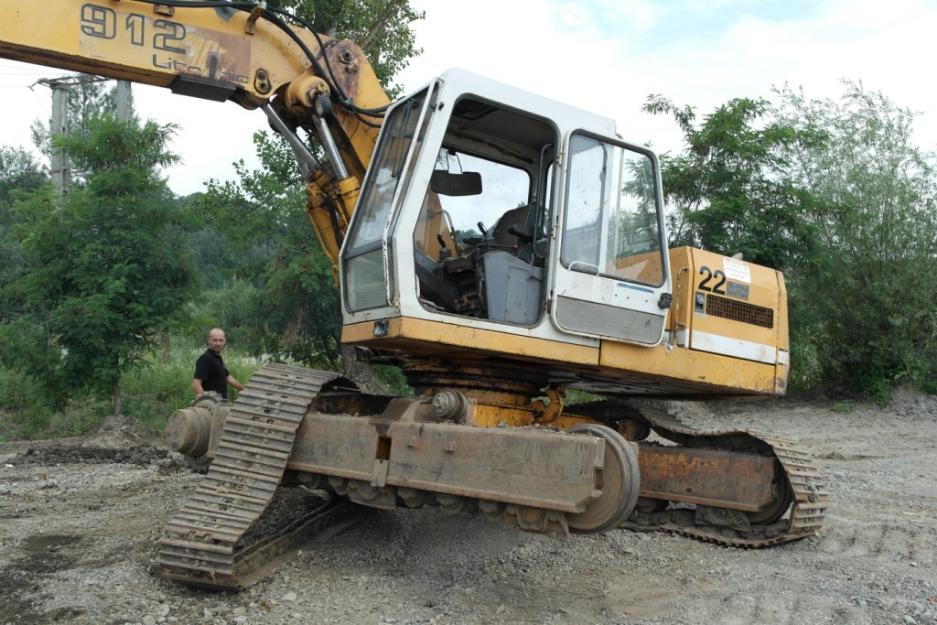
x=620, y=483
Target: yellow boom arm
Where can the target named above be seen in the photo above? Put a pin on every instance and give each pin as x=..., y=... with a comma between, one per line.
x=223, y=51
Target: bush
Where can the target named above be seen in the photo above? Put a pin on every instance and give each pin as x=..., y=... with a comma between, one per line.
x=152, y=391
x=22, y=405
x=391, y=380
x=28, y=413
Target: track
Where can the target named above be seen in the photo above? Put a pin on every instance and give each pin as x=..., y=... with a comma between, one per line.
x=209, y=542
x=809, y=502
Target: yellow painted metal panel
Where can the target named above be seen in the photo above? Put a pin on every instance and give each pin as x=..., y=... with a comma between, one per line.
x=783, y=369
x=686, y=364
x=720, y=373
x=781, y=315
x=490, y=416
x=129, y=40
x=763, y=291
x=448, y=334
x=682, y=305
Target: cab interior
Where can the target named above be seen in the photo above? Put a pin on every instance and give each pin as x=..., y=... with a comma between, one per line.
x=481, y=240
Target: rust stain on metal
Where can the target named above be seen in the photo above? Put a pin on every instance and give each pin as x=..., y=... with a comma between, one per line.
x=343, y=59
x=726, y=479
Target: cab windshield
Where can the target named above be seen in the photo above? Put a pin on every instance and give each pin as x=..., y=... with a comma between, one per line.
x=365, y=283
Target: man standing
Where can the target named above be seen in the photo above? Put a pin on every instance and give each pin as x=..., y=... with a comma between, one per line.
x=210, y=372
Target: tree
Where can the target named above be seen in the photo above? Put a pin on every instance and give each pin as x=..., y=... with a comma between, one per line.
x=875, y=211
x=294, y=311
x=19, y=170
x=730, y=191
x=86, y=99
x=20, y=173
x=108, y=269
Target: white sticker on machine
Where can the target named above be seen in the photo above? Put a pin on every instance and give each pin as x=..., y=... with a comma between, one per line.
x=736, y=270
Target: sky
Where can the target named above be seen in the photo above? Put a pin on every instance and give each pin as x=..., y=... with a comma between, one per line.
x=606, y=56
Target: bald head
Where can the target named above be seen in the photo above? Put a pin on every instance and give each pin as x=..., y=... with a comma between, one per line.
x=216, y=340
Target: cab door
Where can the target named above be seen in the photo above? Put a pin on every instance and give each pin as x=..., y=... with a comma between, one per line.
x=611, y=276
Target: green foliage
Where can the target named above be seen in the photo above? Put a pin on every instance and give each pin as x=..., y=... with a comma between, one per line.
x=729, y=190
x=19, y=174
x=306, y=322
x=232, y=306
x=212, y=253
x=390, y=380
x=86, y=99
x=876, y=216
x=285, y=296
x=109, y=270
x=575, y=396
x=842, y=407
x=26, y=413
x=835, y=193
x=152, y=391
x=28, y=349
x=20, y=392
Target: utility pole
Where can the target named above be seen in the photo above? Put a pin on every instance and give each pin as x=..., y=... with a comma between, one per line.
x=124, y=100
x=59, y=126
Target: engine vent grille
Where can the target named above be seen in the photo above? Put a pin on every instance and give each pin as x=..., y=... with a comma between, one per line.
x=739, y=311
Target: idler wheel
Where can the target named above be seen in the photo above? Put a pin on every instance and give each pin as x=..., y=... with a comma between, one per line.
x=620, y=483
x=776, y=509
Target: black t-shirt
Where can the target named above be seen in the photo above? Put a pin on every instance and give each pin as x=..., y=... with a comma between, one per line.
x=209, y=368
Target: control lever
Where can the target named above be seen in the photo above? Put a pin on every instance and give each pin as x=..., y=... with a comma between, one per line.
x=482, y=229
x=444, y=252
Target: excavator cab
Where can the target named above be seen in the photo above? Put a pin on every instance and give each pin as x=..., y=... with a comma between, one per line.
x=488, y=207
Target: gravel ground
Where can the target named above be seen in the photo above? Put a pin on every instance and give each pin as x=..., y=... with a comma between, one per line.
x=79, y=520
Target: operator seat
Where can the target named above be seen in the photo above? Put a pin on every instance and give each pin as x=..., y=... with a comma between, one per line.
x=514, y=217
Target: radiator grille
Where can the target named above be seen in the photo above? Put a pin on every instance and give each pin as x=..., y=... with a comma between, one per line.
x=739, y=311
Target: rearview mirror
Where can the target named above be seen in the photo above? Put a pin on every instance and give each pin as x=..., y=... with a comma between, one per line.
x=448, y=183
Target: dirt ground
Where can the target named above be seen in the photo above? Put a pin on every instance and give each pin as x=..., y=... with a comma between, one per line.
x=79, y=520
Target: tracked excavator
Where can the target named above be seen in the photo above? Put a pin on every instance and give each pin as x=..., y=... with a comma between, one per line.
x=502, y=249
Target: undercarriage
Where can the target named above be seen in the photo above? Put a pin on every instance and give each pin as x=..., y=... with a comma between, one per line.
x=468, y=441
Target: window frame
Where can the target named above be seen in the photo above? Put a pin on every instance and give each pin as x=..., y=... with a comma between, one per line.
x=349, y=252
x=655, y=177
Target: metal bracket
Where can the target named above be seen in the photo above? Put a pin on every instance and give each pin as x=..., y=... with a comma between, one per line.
x=253, y=17
x=547, y=413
